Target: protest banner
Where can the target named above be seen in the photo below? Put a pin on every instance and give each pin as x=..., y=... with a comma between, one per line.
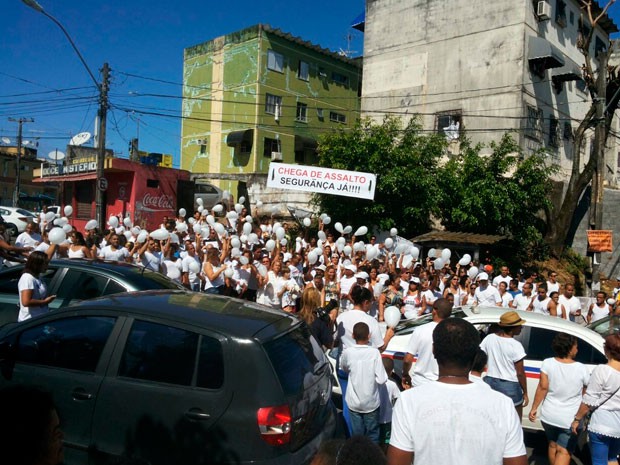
x=599, y=240
x=322, y=180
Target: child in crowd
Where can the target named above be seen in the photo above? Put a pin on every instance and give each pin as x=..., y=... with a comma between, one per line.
x=366, y=373
x=388, y=395
x=478, y=368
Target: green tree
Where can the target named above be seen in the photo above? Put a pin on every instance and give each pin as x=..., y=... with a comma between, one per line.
x=406, y=163
x=501, y=193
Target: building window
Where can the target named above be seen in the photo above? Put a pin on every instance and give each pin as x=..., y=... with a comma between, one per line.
x=273, y=104
x=303, y=72
x=560, y=13
x=302, y=112
x=599, y=46
x=449, y=124
x=154, y=183
x=275, y=61
x=319, y=114
x=84, y=197
x=337, y=117
x=271, y=145
x=568, y=130
x=340, y=78
x=554, y=134
x=322, y=72
x=534, y=123
x=581, y=85
x=571, y=17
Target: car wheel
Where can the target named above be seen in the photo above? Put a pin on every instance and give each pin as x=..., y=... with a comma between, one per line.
x=12, y=229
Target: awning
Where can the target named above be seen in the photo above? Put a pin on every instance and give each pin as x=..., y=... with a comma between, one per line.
x=543, y=55
x=67, y=178
x=359, y=22
x=571, y=71
x=305, y=143
x=238, y=137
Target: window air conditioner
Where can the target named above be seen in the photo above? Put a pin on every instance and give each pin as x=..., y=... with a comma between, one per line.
x=276, y=156
x=543, y=10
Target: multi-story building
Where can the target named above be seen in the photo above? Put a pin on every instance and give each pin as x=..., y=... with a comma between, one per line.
x=260, y=95
x=32, y=196
x=486, y=67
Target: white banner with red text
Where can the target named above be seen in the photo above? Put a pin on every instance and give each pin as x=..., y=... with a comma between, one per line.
x=322, y=180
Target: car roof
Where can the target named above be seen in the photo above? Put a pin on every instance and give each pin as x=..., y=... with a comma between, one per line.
x=226, y=315
x=111, y=267
x=483, y=314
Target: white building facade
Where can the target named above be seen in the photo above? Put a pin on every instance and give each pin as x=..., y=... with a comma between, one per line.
x=485, y=67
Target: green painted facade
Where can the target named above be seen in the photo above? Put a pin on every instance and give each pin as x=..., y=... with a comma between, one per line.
x=232, y=122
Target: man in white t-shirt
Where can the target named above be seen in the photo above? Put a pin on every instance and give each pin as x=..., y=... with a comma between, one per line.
x=504, y=276
x=522, y=301
x=572, y=305
x=346, y=284
x=485, y=294
x=453, y=420
x=420, y=345
x=552, y=284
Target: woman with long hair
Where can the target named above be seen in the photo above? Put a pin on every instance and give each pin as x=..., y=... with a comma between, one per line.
x=412, y=301
x=391, y=294
x=319, y=327
x=213, y=269
x=33, y=298
x=331, y=290
x=558, y=395
x=78, y=248
x=603, y=397
x=454, y=288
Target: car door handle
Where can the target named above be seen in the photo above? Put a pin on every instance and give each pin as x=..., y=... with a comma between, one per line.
x=81, y=394
x=197, y=414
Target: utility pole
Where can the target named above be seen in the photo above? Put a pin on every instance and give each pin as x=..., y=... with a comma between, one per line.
x=103, y=116
x=596, y=204
x=20, y=122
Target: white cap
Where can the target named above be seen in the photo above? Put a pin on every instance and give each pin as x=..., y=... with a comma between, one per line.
x=350, y=267
x=482, y=277
x=362, y=275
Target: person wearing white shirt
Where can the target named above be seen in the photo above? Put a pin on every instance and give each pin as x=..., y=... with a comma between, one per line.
x=485, y=294
x=503, y=277
x=552, y=284
x=504, y=294
x=572, y=305
x=540, y=303
x=452, y=420
x=559, y=392
x=113, y=251
x=366, y=373
x=30, y=237
x=421, y=345
x=524, y=300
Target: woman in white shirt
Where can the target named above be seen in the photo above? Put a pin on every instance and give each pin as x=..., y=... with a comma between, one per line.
x=603, y=395
x=33, y=298
x=559, y=390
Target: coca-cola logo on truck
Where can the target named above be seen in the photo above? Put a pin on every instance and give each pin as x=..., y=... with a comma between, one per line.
x=160, y=202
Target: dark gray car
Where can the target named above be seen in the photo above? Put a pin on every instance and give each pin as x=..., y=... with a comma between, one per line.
x=175, y=377
x=73, y=280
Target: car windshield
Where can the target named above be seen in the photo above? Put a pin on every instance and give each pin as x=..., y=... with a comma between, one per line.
x=147, y=279
x=606, y=326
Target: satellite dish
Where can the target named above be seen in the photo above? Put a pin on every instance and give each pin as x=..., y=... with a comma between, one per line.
x=56, y=155
x=80, y=139
x=6, y=140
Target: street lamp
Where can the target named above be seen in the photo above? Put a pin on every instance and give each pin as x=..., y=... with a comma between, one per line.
x=101, y=113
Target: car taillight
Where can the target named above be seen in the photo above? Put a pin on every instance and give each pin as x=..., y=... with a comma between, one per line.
x=25, y=220
x=274, y=424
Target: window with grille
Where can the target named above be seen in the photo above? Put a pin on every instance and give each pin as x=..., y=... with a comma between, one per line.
x=302, y=112
x=337, y=117
x=273, y=104
x=534, y=125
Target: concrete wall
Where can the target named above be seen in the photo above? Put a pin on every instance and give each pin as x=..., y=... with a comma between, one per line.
x=610, y=262
x=430, y=57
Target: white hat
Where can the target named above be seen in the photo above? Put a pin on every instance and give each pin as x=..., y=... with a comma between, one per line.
x=362, y=275
x=482, y=277
x=351, y=267
x=414, y=279
x=320, y=267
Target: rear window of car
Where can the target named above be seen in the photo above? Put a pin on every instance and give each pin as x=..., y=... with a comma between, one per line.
x=294, y=356
x=143, y=279
x=24, y=212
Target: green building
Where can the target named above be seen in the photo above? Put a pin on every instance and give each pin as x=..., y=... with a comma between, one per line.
x=260, y=95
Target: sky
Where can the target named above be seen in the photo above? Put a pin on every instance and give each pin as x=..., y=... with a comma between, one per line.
x=41, y=76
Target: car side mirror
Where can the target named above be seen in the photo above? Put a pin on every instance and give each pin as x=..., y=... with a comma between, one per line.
x=7, y=360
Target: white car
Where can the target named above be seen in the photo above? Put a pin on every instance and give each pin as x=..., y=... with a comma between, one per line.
x=16, y=219
x=536, y=336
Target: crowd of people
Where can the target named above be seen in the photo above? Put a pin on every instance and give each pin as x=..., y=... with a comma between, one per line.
x=343, y=284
